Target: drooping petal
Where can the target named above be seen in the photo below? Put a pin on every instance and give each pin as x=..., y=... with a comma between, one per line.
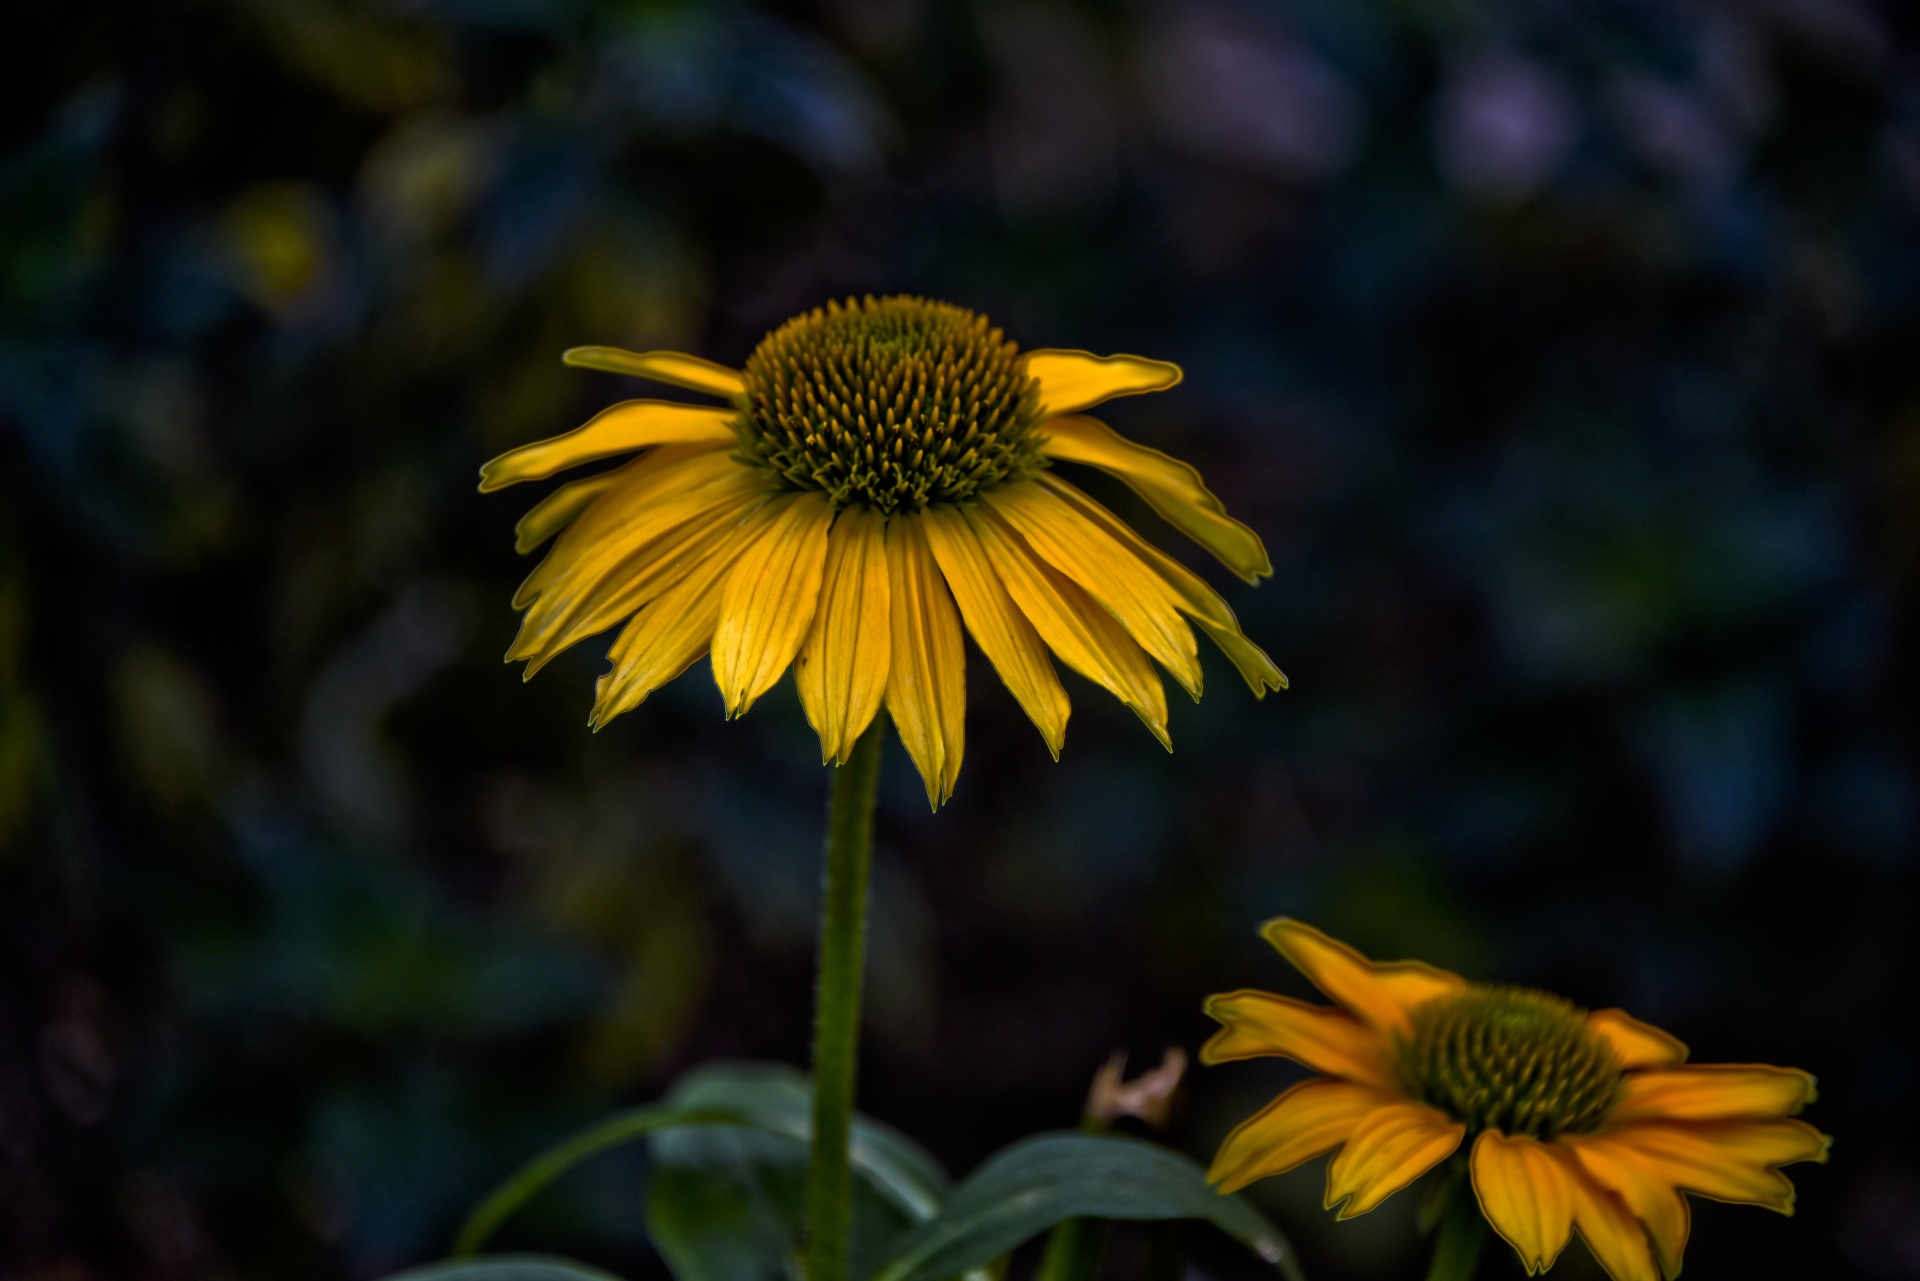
x=1195, y=599
x=769, y=600
x=1714, y=1092
x=1607, y=1224
x=584, y=605
x=1527, y=1195
x=1311, y=1118
x=1639, y=1045
x=556, y=511
x=1330, y=1041
x=1071, y=381
x=1110, y=573
x=1389, y=1149
x=671, y=634
x=1072, y=623
x=842, y=669
x=1379, y=995
x=673, y=367
x=998, y=627
x=927, y=680
x=1724, y=1160
x=1652, y=1199
x=1169, y=486
x=621, y=429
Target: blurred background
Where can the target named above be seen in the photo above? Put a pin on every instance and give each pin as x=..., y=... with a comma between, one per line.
x=1567, y=356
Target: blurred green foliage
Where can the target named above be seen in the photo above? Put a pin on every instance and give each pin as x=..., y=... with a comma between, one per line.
x=1565, y=355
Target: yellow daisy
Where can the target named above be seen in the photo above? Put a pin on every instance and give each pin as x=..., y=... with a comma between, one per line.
x=1577, y=1120
x=880, y=474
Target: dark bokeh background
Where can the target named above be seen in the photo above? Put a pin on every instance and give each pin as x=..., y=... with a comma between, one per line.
x=1566, y=355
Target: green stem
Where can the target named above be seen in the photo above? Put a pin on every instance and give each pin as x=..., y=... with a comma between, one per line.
x=836, y=1008
x=1462, y=1236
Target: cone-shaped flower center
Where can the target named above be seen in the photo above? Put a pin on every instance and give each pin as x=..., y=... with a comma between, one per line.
x=1510, y=1059
x=893, y=402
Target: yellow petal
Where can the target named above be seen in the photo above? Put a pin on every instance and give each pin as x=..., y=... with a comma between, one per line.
x=769, y=600
x=1325, y=1039
x=1195, y=599
x=569, y=613
x=1311, y=1118
x=998, y=627
x=1617, y=1239
x=671, y=634
x=1714, y=1092
x=1169, y=486
x=630, y=425
x=1639, y=1045
x=927, y=680
x=1526, y=1194
x=1111, y=574
x=557, y=510
x=1391, y=1148
x=1085, y=636
x=1379, y=995
x=842, y=669
x=1652, y=1199
x=1723, y=1160
x=1071, y=381
x=674, y=367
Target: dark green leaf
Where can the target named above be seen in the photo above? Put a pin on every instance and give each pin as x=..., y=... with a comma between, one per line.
x=506, y=1267
x=1037, y=1183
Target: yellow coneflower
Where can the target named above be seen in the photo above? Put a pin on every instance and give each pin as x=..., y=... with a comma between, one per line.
x=1577, y=1120
x=880, y=474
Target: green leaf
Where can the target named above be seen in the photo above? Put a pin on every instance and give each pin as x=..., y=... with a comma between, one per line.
x=506, y=1267
x=1035, y=1184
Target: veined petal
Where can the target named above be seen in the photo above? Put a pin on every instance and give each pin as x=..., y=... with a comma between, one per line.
x=1071, y=381
x=1111, y=574
x=1639, y=1045
x=769, y=600
x=1169, y=486
x=672, y=367
x=668, y=636
x=1652, y=1199
x=998, y=627
x=1389, y=1149
x=1714, y=1092
x=621, y=429
x=1072, y=623
x=842, y=669
x=1311, y=1118
x=1379, y=995
x=1527, y=1195
x=1195, y=599
x=1722, y=1160
x=927, y=680
x=1618, y=1239
x=1330, y=1041
x=556, y=511
x=606, y=590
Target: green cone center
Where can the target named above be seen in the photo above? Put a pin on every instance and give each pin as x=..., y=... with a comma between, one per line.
x=893, y=402
x=1510, y=1059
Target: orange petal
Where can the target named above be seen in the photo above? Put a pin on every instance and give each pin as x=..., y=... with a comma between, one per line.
x=1722, y=1160
x=1327, y=1040
x=1639, y=1045
x=1379, y=995
x=1526, y=1194
x=673, y=367
x=1714, y=1092
x=630, y=425
x=1389, y=1149
x=927, y=676
x=1070, y=381
x=1617, y=1239
x=1652, y=1199
x=841, y=672
x=1311, y=1118
x=769, y=600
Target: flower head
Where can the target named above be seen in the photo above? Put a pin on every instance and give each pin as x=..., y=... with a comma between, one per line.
x=880, y=474
x=1592, y=1121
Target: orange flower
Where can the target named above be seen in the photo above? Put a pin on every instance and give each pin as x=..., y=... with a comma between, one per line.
x=1577, y=1120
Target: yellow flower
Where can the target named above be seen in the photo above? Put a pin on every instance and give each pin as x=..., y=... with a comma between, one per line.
x=1577, y=1120
x=880, y=473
